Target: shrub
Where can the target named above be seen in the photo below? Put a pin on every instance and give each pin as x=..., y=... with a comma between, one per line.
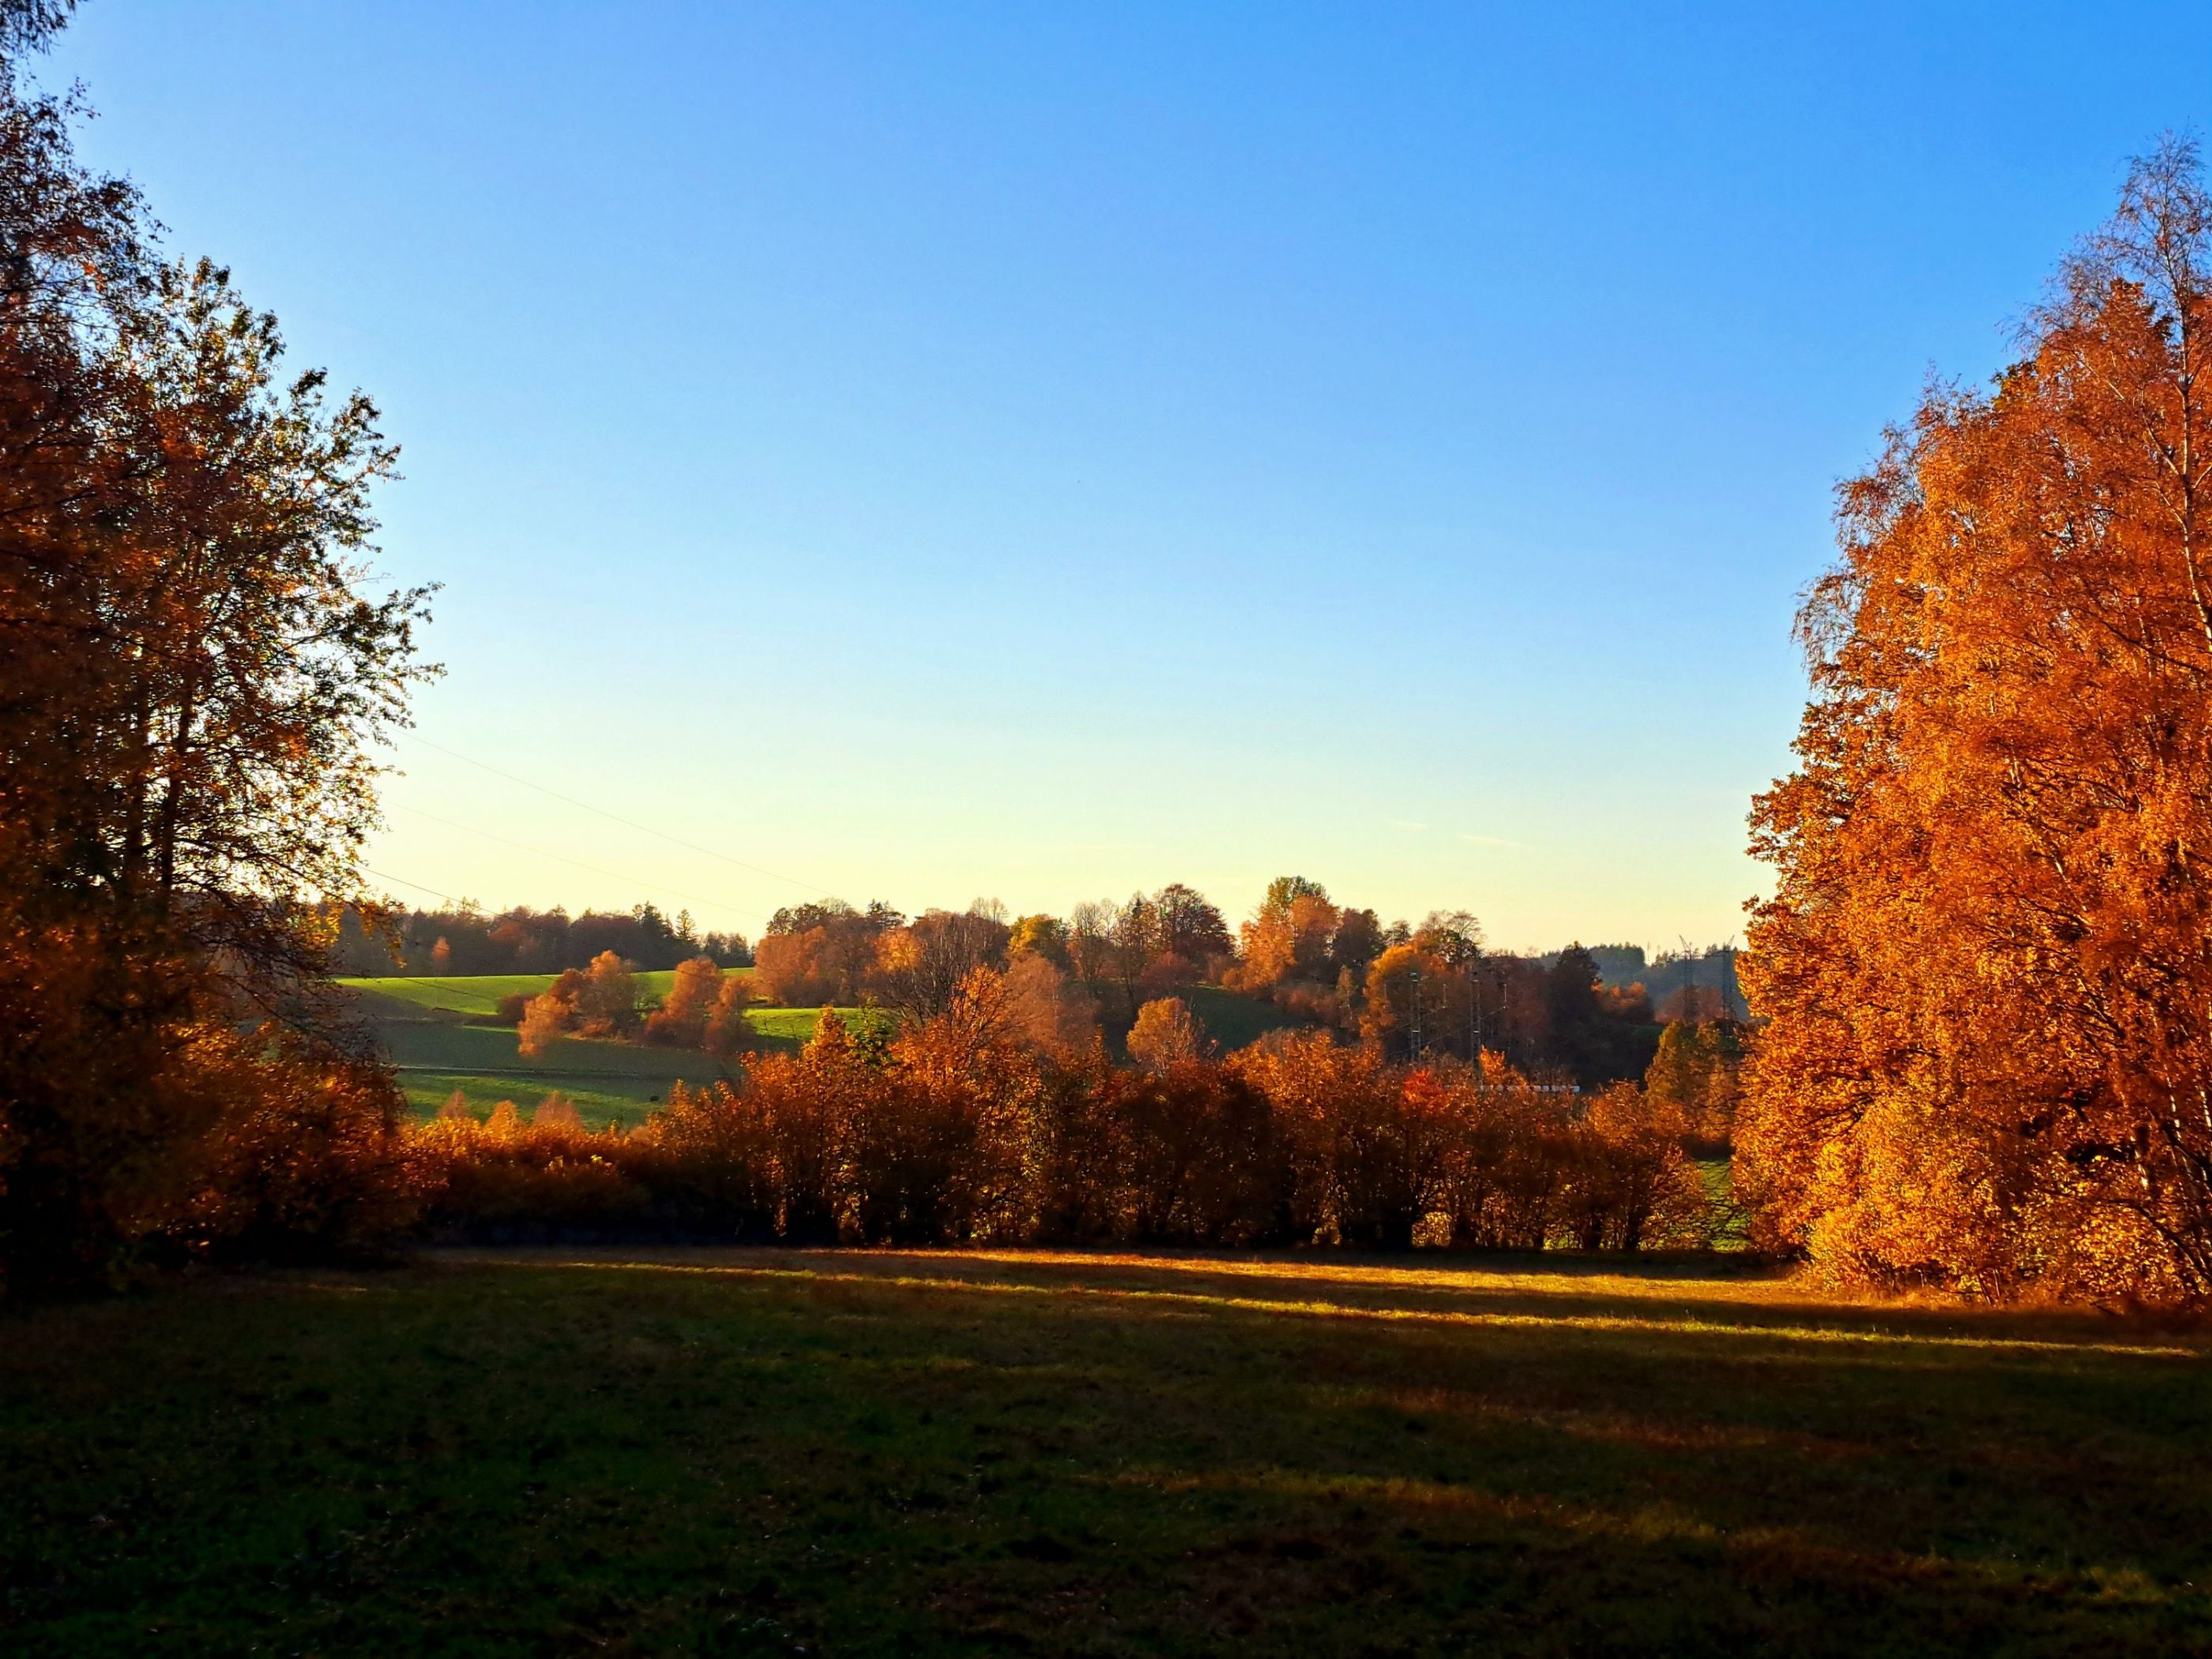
x=961, y=1129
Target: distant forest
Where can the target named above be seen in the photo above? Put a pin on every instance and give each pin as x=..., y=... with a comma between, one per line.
x=464, y=941
x=1589, y=1014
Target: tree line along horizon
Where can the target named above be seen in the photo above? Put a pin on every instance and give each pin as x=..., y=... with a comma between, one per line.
x=1582, y=1016
x=1979, y=1054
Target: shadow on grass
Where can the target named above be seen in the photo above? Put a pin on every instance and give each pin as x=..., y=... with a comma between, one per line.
x=704, y=1451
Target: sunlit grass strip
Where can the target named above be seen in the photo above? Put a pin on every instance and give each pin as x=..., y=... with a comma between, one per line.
x=1318, y=1310
x=1772, y=1289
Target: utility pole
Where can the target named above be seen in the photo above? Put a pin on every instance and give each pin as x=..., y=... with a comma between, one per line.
x=1413, y=1051
x=1474, y=1009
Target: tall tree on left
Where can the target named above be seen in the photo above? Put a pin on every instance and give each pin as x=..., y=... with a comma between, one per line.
x=193, y=686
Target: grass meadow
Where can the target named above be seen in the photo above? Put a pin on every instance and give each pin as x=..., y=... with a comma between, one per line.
x=477, y=996
x=1233, y=1021
x=435, y=1032
x=736, y=1452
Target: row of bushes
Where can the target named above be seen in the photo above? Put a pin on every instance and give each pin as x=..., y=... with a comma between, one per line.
x=963, y=1129
x=956, y=1132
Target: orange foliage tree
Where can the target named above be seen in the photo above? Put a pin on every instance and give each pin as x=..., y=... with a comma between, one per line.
x=194, y=674
x=1696, y=1074
x=814, y=954
x=1288, y=937
x=962, y=1129
x=1988, y=1064
x=1411, y=990
x=549, y=1016
x=1166, y=1033
x=918, y=969
x=680, y=1022
x=726, y=1033
x=1045, y=1009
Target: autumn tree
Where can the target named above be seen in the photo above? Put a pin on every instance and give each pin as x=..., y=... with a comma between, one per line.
x=1133, y=942
x=818, y=953
x=1188, y=925
x=1600, y=1033
x=1045, y=1009
x=606, y=999
x=1166, y=1033
x=1185, y=1154
x=1985, y=965
x=1041, y=935
x=1628, y=1183
x=1507, y=1153
x=941, y=1157
x=1362, y=1170
x=1454, y=937
x=557, y=1114
x=819, y=1127
x=920, y=967
x=709, y=1157
x=1089, y=935
x=1356, y=942
x=1407, y=1002
x=1695, y=1075
x=549, y=1016
x=1289, y=936
x=1148, y=944
x=680, y=1022
x=196, y=671
x=726, y=1033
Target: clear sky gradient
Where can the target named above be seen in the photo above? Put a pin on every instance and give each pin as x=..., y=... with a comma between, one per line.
x=1041, y=452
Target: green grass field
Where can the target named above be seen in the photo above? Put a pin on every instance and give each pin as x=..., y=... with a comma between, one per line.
x=734, y=1452
x=431, y=1031
x=1233, y=1021
x=599, y=1101
x=478, y=996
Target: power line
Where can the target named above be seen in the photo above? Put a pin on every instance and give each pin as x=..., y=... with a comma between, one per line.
x=539, y=852
x=676, y=841
x=416, y=885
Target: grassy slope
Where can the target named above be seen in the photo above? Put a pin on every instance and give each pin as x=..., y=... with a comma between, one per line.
x=478, y=995
x=734, y=1452
x=421, y=1024
x=1231, y=1020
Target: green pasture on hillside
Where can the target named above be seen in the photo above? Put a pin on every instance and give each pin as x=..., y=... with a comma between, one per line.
x=1234, y=1021
x=609, y=1082
x=719, y=1452
x=792, y=1027
x=478, y=995
x=436, y=1034
x=597, y=1100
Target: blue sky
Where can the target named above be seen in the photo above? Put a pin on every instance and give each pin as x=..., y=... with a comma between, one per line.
x=1041, y=452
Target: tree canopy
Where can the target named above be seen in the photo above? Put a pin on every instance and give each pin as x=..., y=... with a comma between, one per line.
x=1988, y=962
